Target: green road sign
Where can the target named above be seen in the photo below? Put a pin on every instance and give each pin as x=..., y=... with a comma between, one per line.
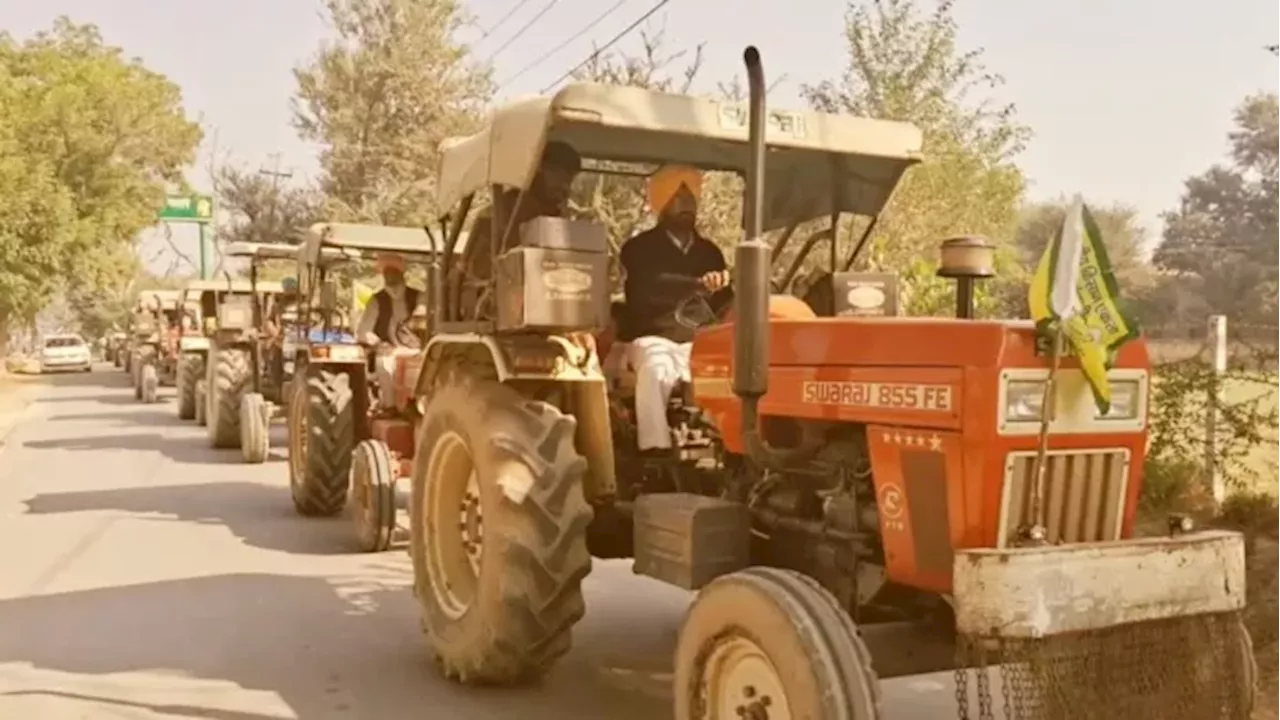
x=187, y=208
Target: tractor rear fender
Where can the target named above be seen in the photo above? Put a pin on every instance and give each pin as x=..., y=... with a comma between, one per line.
x=1038, y=592
x=535, y=366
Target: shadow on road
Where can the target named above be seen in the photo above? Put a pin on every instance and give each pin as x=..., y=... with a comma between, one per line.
x=156, y=414
x=328, y=649
x=180, y=450
x=260, y=515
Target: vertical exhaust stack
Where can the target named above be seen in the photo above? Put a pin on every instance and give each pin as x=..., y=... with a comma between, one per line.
x=752, y=267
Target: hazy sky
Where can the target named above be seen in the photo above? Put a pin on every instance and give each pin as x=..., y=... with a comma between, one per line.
x=1126, y=97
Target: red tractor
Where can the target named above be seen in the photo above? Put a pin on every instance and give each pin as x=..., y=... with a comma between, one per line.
x=850, y=495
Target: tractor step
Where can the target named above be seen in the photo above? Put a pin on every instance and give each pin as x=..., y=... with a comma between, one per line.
x=689, y=540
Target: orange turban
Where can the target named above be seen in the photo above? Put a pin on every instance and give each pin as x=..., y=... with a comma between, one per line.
x=389, y=261
x=664, y=184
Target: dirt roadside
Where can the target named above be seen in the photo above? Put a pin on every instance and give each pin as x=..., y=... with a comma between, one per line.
x=16, y=392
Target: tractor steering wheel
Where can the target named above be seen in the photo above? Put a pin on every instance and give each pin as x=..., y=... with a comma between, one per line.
x=334, y=318
x=694, y=311
x=406, y=336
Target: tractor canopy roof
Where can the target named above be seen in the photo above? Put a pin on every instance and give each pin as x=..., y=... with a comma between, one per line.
x=817, y=163
x=233, y=285
x=353, y=241
x=262, y=251
x=158, y=299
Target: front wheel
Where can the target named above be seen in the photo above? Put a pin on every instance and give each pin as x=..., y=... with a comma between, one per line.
x=148, y=383
x=255, y=440
x=373, y=487
x=499, y=529
x=769, y=643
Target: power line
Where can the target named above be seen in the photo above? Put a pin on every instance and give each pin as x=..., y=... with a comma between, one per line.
x=521, y=31
x=625, y=31
x=543, y=57
x=494, y=27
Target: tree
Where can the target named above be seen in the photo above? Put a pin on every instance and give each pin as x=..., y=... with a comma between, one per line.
x=380, y=99
x=906, y=65
x=262, y=211
x=89, y=141
x=1124, y=237
x=1222, y=237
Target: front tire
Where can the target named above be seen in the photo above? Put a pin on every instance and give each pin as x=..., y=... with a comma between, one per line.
x=148, y=383
x=228, y=379
x=255, y=440
x=764, y=638
x=373, y=485
x=321, y=439
x=498, y=531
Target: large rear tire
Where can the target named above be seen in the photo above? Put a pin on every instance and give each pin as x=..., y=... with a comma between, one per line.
x=255, y=440
x=373, y=487
x=499, y=532
x=321, y=439
x=228, y=380
x=766, y=638
x=190, y=370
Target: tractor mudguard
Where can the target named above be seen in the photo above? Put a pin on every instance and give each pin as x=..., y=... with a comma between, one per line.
x=547, y=359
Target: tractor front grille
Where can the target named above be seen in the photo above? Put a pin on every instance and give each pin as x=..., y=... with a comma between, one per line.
x=1084, y=495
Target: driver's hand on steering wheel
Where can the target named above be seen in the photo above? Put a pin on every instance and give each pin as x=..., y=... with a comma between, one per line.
x=715, y=280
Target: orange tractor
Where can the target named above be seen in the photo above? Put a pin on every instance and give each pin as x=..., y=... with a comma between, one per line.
x=852, y=496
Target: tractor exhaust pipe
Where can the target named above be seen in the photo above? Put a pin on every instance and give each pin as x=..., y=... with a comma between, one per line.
x=752, y=257
x=753, y=267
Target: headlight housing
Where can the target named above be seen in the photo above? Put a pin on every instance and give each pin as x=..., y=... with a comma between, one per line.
x=1024, y=400
x=1124, y=401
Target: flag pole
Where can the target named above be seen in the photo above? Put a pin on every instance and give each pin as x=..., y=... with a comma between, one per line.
x=1037, y=533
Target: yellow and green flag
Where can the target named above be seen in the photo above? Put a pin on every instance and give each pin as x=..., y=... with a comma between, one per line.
x=1074, y=291
x=361, y=294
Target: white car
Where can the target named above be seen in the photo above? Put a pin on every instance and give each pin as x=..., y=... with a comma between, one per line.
x=65, y=352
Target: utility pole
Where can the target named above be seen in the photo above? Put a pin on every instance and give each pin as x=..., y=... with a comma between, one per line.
x=276, y=176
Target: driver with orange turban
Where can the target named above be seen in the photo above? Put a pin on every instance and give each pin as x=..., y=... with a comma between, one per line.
x=387, y=310
x=659, y=345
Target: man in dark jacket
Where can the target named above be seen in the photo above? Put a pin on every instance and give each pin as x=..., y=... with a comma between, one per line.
x=659, y=345
x=387, y=309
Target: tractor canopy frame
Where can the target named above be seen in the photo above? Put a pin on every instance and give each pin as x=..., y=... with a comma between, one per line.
x=822, y=165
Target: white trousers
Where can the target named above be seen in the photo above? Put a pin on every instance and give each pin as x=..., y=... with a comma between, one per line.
x=384, y=371
x=659, y=365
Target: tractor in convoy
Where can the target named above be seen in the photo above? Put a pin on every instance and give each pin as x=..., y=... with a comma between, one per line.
x=153, y=346
x=850, y=493
x=337, y=416
x=274, y=320
x=215, y=371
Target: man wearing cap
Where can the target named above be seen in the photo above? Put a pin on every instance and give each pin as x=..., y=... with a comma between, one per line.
x=547, y=196
x=387, y=309
x=660, y=346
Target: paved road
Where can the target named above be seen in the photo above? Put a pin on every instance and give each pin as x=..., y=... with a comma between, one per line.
x=143, y=575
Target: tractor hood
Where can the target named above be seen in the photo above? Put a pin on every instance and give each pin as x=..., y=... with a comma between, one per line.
x=903, y=342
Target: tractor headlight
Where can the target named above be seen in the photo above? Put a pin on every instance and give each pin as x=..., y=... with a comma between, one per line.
x=1024, y=400
x=1124, y=400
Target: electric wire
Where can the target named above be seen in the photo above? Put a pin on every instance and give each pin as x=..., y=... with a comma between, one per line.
x=494, y=27
x=613, y=41
x=525, y=28
x=567, y=41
